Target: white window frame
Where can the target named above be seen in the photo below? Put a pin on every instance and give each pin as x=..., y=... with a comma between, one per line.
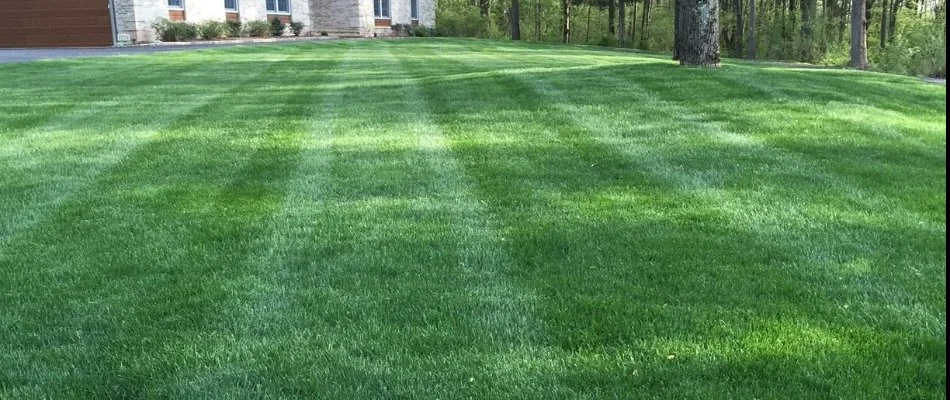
x=276, y=9
x=237, y=6
x=389, y=9
x=181, y=7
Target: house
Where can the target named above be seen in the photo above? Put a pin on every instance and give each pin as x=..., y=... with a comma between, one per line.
x=86, y=23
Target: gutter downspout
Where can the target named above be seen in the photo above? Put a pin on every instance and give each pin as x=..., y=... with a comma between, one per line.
x=115, y=42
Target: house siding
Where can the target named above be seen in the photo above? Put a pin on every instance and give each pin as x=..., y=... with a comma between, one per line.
x=350, y=17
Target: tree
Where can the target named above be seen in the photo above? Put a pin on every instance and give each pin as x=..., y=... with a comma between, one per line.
x=645, y=24
x=611, y=13
x=515, y=19
x=737, y=7
x=809, y=8
x=753, y=46
x=859, y=38
x=677, y=35
x=699, y=30
x=566, y=21
x=621, y=20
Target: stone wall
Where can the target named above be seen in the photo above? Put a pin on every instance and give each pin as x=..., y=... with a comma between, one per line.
x=204, y=10
x=336, y=16
x=135, y=17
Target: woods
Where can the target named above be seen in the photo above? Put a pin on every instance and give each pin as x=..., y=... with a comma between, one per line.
x=903, y=36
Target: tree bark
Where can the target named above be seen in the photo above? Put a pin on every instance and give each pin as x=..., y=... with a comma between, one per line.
x=644, y=21
x=621, y=21
x=537, y=21
x=611, y=14
x=484, y=7
x=808, y=18
x=700, y=33
x=859, y=44
x=753, y=46
x=515, y=16
x=884, y=21
x=590, y=7
x=892, y=19
x=566, y=21
x=633, y=25
x=740, y=29
x=677, y=30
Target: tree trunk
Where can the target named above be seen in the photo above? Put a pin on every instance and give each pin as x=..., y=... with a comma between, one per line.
x=515, y=16
x=700, y=33
x=740, y=29
x=859, y=44
x=484, y=7
x=621, y=21
x=808, y=18
x=753, y=46
x=645, y=18
x=611, y=14
x=677, y=29
x=587, y=31
x=566, y=20
x=537, y=21
x=884, y=21
x=633, y=25
x=892, y=19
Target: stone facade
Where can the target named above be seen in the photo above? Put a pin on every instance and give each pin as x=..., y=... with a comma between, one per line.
x=342, y=17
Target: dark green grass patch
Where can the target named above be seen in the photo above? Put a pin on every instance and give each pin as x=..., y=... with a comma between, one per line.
x=468, y=219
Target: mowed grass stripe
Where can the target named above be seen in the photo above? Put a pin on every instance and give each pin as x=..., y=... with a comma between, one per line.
x=49, y=164
x=254, y=258
x=702, y=226
x=519, y=169
x=510, y=322
x=756, y=211
x=168, y=191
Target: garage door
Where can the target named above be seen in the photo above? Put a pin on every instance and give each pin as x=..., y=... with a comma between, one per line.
x=51, y=23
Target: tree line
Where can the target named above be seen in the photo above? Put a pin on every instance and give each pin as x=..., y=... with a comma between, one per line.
x=904, y=36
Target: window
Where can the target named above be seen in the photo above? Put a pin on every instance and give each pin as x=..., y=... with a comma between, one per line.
x=381, y=8
x=414, y=9
x=176, y=4
x=278, y=6
x=231, y=5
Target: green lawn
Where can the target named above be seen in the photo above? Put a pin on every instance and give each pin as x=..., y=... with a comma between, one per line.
x=468, y=219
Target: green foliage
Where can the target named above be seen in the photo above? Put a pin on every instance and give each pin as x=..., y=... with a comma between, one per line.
x=401, y=29
x=258, y=28
x=277, y=27
x=423, y=31
x=607, y=41
x=915, y=49
x=324, y=33
x=234, y=28
x=175, y=31
x=296, y=27
x=211, y=30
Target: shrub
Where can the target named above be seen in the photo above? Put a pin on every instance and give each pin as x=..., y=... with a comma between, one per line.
x=423, y=31
x=175, y=31
x=607, y=41
x=211, y=30
x=234, y=28
x=324, y=33
x=401, y=29
x=277, y=27
x=258, y=29
x=296, y=27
